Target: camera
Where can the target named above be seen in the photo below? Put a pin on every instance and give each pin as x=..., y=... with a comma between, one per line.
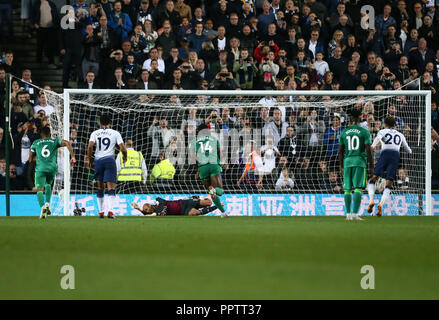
x=224, y=74
x=387, y=74
x=186, y=67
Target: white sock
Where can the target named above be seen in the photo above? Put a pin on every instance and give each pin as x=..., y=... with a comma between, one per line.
x=110, y=202
x=101, y=204
x=371, y=190
x=386, y=195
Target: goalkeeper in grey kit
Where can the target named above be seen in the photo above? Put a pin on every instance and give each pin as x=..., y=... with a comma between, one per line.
x=183, y=207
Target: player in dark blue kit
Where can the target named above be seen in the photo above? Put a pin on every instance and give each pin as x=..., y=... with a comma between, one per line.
x=391, y=141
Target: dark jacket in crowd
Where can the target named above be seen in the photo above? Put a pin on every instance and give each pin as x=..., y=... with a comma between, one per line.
x=36, y=14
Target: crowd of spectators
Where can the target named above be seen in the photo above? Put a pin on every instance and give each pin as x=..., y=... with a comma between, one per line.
x=240, y=45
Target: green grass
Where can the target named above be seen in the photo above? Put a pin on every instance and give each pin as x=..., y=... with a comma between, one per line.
x=213, y=258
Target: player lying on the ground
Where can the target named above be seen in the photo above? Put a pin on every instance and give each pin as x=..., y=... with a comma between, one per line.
x=354, y=154
x=45, y=151
x=391, y=141
x=183, y=207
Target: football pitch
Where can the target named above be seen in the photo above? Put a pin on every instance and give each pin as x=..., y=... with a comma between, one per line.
x=214, y=258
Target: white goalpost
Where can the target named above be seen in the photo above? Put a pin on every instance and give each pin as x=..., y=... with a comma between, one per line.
x=260, y=157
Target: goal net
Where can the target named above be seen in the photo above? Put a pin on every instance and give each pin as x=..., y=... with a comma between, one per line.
x=272, y=143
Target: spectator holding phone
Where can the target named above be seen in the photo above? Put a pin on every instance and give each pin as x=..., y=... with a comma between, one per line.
x=115, y=61
x=91, y=43
x=224, y=80
x=268, y=65
x=96, y=12
x=190, y=79
x=263, y=49
x=393, y=56
x=387, y=78
x=244, y=69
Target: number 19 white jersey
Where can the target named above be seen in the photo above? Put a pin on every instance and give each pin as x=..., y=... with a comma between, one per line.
x=391, y=140
x=105, y=141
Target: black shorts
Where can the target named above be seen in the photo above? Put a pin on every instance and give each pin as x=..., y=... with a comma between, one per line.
x=188, y=204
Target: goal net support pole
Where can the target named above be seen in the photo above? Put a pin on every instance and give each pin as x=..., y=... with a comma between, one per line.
x=428, y=172
x=66, y=157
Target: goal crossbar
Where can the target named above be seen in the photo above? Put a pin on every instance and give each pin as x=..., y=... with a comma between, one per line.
x=337, y=93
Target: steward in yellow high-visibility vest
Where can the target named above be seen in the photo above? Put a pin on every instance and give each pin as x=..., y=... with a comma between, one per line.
x=163, y=171
x=134, y=169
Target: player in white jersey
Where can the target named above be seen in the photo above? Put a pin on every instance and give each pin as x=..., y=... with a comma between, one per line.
x=105, y=140
x=391, y=141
